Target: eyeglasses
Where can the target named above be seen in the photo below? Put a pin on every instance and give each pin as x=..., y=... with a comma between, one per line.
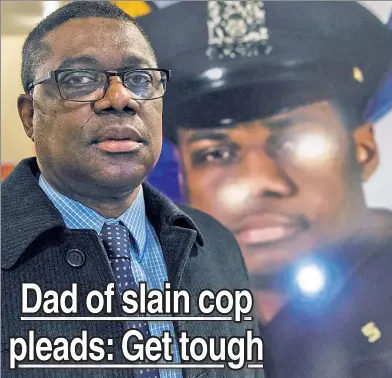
x=87, y=85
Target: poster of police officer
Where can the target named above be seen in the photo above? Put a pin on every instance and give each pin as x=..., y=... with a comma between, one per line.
x=277, y=121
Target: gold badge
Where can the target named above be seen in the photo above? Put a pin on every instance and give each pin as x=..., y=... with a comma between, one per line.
x=371, y=332
x=134, y=8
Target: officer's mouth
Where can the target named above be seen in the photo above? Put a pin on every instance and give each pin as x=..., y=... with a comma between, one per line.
x=266, y=229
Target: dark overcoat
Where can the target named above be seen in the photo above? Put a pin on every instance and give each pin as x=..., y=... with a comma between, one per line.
x=199, y=254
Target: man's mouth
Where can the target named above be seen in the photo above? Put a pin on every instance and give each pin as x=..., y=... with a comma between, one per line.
x=119, y=139
x=118, y=145
x=268, y=229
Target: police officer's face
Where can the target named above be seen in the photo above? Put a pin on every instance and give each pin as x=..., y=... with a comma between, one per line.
x=283, y=185
x=108, y=146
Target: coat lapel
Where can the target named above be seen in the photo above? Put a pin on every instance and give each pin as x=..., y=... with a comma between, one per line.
x=21, y=223
x=179, y=238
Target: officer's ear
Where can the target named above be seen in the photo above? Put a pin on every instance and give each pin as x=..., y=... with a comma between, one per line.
x=366, y=149
x=26, y=113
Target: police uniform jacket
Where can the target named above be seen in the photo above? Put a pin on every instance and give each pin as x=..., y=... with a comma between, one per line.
x=347, y=332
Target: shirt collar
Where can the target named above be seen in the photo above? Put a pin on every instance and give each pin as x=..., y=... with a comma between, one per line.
x=79, y=216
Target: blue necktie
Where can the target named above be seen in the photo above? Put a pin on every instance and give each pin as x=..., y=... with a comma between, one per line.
x=117, y=241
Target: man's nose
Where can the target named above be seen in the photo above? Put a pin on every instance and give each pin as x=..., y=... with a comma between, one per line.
x=264, y=176
x=116, y=97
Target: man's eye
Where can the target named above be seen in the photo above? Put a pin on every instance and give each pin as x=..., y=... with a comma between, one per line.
x=138, y=78
x=216, y=155
x=78, y=78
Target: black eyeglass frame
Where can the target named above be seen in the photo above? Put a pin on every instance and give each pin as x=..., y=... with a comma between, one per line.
x=55, y=74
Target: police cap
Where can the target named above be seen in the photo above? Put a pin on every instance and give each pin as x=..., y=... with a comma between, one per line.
x=235, y=61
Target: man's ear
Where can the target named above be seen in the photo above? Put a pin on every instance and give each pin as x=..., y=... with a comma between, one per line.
x=26, y=112
x=366, y=149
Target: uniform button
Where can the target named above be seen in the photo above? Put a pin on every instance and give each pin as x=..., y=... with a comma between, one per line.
x=75, y=258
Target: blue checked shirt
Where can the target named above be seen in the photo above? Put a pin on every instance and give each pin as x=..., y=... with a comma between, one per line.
x=148, y=264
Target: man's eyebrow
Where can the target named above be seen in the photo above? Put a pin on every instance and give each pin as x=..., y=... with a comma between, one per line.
x=138, y=61
x=91, y=61
x=207, y=135
x=85, y=59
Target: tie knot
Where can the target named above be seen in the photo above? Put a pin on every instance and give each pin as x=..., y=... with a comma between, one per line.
x=116, y=239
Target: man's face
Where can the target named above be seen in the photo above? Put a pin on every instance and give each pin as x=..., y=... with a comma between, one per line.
x=68, y=135
x=282, y=185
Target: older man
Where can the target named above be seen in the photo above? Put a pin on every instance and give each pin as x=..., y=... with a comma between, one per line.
x=80, y=214
x=266, y=110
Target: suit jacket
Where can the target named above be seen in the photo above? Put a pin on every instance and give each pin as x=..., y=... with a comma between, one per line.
x=199, y=253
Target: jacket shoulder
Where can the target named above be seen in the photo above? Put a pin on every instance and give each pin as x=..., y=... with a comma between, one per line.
x=209, y=226
x=218, y=239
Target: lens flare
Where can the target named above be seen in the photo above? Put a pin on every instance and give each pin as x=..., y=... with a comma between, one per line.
x=314, y=149
x=310, y=279
x=234, y=195
x=214, y=73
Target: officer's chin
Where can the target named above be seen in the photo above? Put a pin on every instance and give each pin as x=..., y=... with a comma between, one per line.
x=270, y=262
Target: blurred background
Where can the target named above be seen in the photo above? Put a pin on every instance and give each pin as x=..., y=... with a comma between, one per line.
x=19, y=17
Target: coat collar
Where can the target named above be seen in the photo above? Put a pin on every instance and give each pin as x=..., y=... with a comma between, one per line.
x=161, y=211
x=27, y=212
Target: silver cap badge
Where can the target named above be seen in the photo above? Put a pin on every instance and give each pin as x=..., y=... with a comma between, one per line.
x=237, y=29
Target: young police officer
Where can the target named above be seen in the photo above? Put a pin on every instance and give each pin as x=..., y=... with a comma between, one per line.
x=266, y=109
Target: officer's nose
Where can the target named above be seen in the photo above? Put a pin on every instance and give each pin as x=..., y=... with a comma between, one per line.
x=264, y=176
x=117, y=98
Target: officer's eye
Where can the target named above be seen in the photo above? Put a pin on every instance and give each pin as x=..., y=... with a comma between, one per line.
x=279, y=145
x=287, y=147
x=305, y=148
x=216, y=155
